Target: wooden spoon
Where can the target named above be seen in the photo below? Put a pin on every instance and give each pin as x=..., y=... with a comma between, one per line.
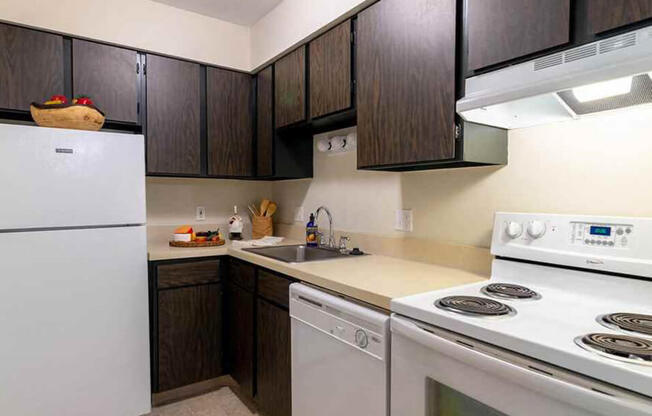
x=271, y=209
x=263, y=207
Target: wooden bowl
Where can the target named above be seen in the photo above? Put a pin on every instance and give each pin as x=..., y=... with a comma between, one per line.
x=67, y=116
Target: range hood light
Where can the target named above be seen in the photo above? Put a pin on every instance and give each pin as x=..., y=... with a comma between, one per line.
x=604, y=89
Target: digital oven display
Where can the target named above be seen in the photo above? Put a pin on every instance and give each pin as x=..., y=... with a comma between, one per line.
x=603, y=231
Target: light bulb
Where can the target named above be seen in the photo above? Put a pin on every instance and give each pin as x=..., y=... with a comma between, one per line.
x=603, y=89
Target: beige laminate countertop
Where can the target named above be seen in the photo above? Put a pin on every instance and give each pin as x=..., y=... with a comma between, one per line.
x=373, y=279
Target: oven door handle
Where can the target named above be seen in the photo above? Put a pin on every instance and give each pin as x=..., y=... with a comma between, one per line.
x=561, y=390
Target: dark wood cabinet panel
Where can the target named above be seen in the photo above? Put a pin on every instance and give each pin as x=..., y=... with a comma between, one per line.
x=274, y=287
x=273, y=358
x=243, y=274
x=173, y=116
x=330, y=71
x=31, y=67
x=239, y=340
x=290, y=88
x=405, y=70
x=188, y=273
x=605, y=15
x=265, y=123
x=229, y=110
x=501, y=30
x=189, y=335
x=108, y=75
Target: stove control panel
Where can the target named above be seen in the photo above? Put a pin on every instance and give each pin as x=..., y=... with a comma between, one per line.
x=601, y=235
x=610, y=244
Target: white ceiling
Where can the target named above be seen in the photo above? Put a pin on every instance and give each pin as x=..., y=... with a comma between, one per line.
x=242, y=12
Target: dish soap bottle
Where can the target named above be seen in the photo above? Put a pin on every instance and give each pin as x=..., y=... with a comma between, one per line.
x=311, y=232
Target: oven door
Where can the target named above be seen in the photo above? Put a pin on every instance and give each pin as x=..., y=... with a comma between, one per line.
x=438, y=373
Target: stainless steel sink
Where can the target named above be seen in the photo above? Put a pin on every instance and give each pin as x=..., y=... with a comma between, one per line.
x=298, y=254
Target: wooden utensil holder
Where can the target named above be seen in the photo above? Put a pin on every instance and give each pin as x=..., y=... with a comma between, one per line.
x=261, y=227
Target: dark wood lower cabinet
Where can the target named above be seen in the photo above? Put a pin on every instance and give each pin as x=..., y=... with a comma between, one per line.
x=189, y=335
x=239, y=336
x=206, y=324
x=273, y=357
x=186, y=315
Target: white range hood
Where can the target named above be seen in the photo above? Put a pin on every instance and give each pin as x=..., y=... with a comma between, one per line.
x=610, y=74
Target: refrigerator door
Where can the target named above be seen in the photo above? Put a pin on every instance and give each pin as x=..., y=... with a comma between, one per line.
x=74, y=323
x=70, y=178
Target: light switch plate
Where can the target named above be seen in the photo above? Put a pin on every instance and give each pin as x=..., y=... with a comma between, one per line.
x=200, y=214
x=403, y=220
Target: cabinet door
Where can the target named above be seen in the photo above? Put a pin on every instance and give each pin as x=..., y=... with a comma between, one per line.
x=31, y=67
x=290, y=88
x=501, y=30
x=108, y=75
x=189, y=335
x=265, y=123
x=229, y=109
x=405, y=69
x=330, y=71
x=173, y=126
x=273, y=352
x=239, y=315
x=605, y=15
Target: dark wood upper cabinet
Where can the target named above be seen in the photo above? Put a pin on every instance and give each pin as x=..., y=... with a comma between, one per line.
x=239, y=340
x=229, y=110
x=274, y=355
x=189, y=335
x=265, y=122
x=108, y=75
x=605, y=15
x=330, y=71
x=501, y=30
x=173, y=116
x=290, y=88
x=31, y=67
x=405, y=70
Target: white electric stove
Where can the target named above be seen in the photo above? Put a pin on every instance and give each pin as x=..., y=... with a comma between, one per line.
x=564, y=325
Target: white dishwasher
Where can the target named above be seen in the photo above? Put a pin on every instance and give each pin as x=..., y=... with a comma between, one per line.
x=340, y=356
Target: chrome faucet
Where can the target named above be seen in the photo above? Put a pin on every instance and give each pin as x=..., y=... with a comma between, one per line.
x=331, y=235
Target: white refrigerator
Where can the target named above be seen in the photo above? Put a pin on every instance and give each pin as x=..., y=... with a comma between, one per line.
x=73, y=273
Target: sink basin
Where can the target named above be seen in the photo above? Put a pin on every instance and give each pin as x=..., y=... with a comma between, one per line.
x=297, y=254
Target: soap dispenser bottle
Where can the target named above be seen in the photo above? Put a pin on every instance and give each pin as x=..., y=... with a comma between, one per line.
x=311, y=232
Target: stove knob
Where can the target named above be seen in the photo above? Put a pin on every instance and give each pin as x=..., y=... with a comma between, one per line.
x=513, y=229
x=536, y=229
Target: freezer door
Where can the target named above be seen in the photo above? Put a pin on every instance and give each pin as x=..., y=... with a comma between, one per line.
x=66, y=178
x=74, y=323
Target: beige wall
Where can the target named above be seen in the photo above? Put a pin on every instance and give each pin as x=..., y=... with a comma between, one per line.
x=599, y=165
x=173, y=201
x=140, y=24
x=293, y=21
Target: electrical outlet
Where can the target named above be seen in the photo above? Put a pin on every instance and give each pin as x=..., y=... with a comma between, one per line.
x=200, y=214
x=299, y=214
x=403, y=220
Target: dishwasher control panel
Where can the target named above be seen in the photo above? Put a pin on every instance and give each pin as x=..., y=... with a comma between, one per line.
x=352, y=324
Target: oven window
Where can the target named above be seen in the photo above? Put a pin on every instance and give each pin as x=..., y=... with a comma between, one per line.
x=445, y=401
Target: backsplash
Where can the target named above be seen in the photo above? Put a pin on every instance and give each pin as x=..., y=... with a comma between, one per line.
x=172, y=201
x=592, y=166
